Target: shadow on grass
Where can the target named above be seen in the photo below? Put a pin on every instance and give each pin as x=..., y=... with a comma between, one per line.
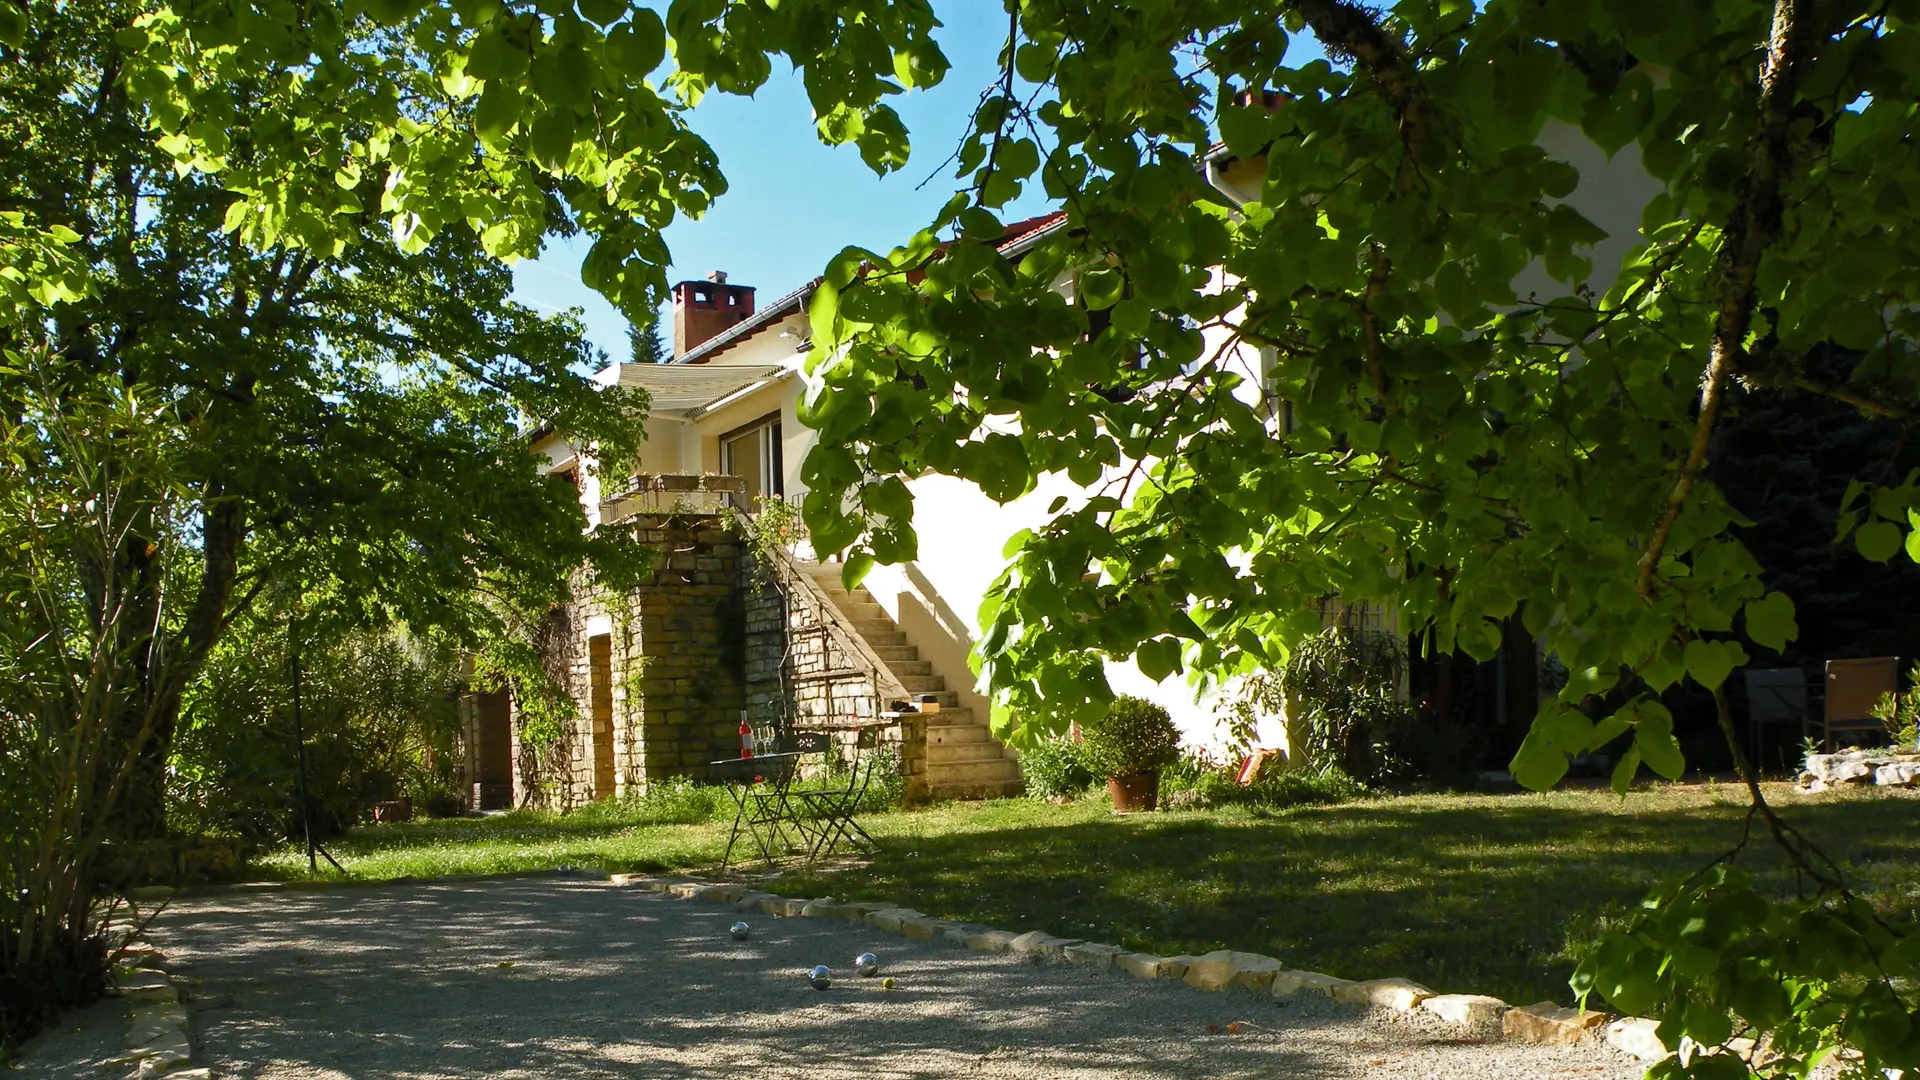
x=1495, y=895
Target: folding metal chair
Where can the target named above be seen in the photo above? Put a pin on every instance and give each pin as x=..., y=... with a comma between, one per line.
x=761, y=814
x=833, y=809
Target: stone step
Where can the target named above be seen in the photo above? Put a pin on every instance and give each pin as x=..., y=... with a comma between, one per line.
x=904, y=668
x=878, y=638
x=862, y=611
x=974, y=790
x=924, y=684
x=869, y=627
x=960, y=735
x=892, y=653
x=945, y=755
x=967, y=772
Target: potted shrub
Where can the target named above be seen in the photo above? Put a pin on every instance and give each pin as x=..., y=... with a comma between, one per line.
x=1129, y=746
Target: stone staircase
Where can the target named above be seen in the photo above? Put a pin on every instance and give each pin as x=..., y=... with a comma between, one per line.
x=964, y=761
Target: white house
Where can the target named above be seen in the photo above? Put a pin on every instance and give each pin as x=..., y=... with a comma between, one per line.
x=725, y=406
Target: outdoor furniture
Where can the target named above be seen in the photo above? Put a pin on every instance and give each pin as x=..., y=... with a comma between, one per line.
x=833, y=809
x=1776, y=697
x=1854, y=687
x=763, y=808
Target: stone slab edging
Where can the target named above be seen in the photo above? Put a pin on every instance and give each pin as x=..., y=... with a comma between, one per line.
x=158, y=1040
x=1544, y=1023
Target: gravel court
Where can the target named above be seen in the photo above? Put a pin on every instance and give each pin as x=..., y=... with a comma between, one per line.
x=555, y=977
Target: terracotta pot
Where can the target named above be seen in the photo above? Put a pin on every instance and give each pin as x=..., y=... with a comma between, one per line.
x=1135, y=792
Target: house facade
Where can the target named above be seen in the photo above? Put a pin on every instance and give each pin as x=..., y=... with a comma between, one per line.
x=664, y=676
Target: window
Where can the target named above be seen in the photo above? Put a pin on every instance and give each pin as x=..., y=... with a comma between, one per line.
x=753, y=454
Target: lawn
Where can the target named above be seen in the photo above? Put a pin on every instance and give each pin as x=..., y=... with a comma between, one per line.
x=1496, y=894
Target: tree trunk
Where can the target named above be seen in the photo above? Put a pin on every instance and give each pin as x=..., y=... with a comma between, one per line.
x=166, y=663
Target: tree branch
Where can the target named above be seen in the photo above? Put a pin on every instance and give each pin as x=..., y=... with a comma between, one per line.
x=1751, y=228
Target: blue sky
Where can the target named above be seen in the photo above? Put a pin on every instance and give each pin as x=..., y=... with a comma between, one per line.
x=793, y=203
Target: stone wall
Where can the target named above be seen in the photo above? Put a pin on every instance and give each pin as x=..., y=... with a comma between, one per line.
x=711, y=635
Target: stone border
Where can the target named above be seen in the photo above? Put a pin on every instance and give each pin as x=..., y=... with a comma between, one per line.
x=1476, y=1015
x=159, y=1038
x=1544, y=1023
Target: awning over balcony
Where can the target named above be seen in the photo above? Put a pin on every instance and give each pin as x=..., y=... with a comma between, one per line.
x=686, y=390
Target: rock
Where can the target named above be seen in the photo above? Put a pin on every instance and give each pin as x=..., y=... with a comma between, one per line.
x=1289, y=983
x=751, y=901
x=1037, y=943
x=923, y=927
x=1400, y=995
x=1091, y=954
x=1225, y=969
x=147, y=985
x=684, y=890
x=1635, y=1036
x=958, y=933
x=821, y=907
x=860, y=909
x=165, y=1054
x=1190, y=799
x=1547, y=1024
x=628, y=881
x=786, y=907
x=1897, y=774
x=892, y=920
x=720, y=894
x=1149, y=966
x=1851, y=772
x=1467, y=1010
x=991, y=941
x=153, y=1024
x=191, y=1074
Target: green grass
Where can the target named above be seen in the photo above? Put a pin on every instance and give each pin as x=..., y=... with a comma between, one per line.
x=1495, y=894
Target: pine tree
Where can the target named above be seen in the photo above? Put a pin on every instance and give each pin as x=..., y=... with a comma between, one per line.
x=645, y=339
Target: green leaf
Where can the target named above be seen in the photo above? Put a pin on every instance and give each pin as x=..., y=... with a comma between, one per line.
x=855, y=570
x=551, y=139
x=494, y=56
x=563, y=76
x=13, y=25
x=1709, y=662
x=637, y=48
x=603, y=12
x=1159, y=658
x=1878, y=540
x=499, y=109
x=1653, y=740
x=1626, y=770
x=1770, y=621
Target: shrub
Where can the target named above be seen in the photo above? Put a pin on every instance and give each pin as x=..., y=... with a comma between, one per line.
x=1134, y=736
x=1213, y=783
x=1054, y=769
x=1901, y=712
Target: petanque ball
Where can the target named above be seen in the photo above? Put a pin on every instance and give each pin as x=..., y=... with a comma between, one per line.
x=739, y=931
x=821, y=977
x=866, y=965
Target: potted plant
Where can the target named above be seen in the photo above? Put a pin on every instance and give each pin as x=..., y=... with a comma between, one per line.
x=1129, y=746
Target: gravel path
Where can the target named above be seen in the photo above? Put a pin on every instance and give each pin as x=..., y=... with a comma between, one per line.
x=78, y=1047
x=549, y=977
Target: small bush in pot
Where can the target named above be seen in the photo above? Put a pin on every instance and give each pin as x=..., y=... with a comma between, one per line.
x=1129, y=746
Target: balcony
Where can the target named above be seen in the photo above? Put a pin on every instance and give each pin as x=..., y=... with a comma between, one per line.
x=676, y=493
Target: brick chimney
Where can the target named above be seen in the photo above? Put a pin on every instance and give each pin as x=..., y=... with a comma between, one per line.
x=703, y=309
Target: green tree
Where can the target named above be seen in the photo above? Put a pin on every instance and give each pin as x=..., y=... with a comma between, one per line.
x=1458, y=450
x=358, y=414
x=644, y=338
